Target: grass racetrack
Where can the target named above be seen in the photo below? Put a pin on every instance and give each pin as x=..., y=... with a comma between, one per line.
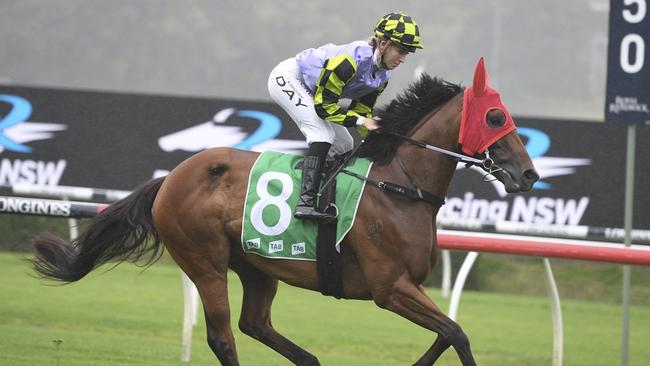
x=132, y=317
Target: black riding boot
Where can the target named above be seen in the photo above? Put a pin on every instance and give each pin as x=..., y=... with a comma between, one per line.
x=311, y=176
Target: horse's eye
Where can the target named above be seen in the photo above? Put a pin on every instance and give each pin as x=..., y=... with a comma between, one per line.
x=495, y=118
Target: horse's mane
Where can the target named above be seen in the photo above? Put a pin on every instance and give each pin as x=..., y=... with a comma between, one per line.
x=404, y=113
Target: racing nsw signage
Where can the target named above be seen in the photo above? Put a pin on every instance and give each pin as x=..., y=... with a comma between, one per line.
x=581, y=164
x=628, y=72
x=19, y=129
x=117, y=141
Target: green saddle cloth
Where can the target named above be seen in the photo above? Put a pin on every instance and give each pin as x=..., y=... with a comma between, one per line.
x=269, y=228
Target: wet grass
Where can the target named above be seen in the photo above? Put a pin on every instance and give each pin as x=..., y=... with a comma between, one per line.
x=130, y=317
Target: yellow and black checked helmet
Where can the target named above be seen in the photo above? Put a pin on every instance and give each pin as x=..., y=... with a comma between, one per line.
x=399, y=28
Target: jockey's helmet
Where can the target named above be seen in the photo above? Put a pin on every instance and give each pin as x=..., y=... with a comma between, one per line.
x=399, y=28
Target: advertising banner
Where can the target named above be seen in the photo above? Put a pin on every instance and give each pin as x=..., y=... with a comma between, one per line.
x=582, y=169
x=117, y=141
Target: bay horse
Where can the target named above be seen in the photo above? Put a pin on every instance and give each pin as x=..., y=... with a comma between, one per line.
x=196, y=211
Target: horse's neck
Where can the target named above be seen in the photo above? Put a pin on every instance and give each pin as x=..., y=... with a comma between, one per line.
x=433, y=170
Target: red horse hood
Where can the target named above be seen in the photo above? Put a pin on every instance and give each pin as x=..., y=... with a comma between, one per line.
x=475, y=134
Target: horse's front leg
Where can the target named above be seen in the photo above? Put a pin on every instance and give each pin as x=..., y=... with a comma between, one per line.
x=409, y=300
x=439, y=346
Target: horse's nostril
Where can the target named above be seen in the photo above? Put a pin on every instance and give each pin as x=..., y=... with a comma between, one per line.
x=531, y=175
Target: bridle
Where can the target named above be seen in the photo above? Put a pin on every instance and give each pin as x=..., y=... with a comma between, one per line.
x=487, y=164
x=415, y=193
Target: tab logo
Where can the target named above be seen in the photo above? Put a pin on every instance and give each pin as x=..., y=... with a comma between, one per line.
x=298, y=248
x=276, y=246
x=253, y=243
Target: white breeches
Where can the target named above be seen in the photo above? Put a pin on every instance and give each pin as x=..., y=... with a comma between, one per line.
x=288, y=90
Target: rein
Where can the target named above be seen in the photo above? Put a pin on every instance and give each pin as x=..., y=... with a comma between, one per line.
x=414, y=194
x=487, y=164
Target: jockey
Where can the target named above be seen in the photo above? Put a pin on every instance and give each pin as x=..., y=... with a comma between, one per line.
x=310, y=86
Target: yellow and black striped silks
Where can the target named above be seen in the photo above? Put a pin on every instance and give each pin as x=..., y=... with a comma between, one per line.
x=336, y=72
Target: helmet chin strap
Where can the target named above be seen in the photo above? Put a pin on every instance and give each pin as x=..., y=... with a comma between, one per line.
x=380, y=63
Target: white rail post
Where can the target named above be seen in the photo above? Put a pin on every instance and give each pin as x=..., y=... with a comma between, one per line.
x=463, y=272
x=446, y=273
x=190, y=309
x=556, y=311
x=73, y=229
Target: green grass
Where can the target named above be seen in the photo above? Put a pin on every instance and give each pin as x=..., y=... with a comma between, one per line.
x=130, y=317
x=580, y=280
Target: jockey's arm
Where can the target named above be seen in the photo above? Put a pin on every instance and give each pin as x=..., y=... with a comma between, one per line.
x=364, y=105
x=336, y=73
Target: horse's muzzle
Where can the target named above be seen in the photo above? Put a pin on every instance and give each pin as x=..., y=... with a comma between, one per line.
x=528, y=179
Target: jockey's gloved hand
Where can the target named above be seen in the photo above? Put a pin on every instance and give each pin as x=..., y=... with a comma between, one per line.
x=369, y=124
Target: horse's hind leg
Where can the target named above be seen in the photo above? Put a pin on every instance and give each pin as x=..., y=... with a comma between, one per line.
x=214, y=295
x=206, y=264
x=255, y=320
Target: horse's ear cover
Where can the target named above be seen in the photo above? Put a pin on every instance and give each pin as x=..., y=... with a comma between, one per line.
x=475, y=135
x=481, y=81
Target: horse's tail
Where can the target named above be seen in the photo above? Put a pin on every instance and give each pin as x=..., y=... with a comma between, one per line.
x=119, y=233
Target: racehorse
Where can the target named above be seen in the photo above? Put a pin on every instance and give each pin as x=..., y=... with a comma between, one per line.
x=196, y=211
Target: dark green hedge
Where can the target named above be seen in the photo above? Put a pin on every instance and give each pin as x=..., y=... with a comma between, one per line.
x=16, y=231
